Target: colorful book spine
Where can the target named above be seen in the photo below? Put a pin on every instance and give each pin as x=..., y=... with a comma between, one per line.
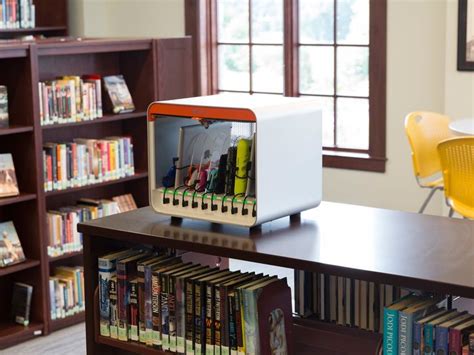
x=189, y=290
x=141, y=303
x=133, y=322
x=441, y=340
x=172, y=315
x=232, y=325
x=217, y=321
x=164, y=313
x=210, y=319
x=417, y=338
x=106, y=271
x=390, y=332
x=198, y=319
x=238, y=324
x=155, y=306
x=122, y=301
x=149, y=334
x=113, y=308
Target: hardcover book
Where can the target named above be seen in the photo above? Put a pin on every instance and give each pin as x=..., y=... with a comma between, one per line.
x=8, y=182
x=459, y=337
x=119, y=95
x=429, y=331
x=391, y=318
x=405, y=323
x=442, y=332
x=3, y=107
x=133, y=325
x=126, y=271
x=180, y=294
x=11, y=251
x=418, y=336
x=107, y=269
x=113, y=307
x=21, y=303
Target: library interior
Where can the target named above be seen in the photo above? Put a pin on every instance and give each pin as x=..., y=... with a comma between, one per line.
x=237, y=177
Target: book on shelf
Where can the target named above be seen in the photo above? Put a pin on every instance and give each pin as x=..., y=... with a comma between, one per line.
x=8, y=182
x=119, y=97
x=66, y=291
x=16, y=14
x=192, y=308
x=21, y=303
x=125, y=203
x=86, y=161
x=412, y=322
x=3, y=107
x=70, y=99
x=11, y=251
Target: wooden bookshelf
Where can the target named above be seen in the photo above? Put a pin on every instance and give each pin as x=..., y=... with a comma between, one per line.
x=51, y=21
x=28, y=63
x=403, y=249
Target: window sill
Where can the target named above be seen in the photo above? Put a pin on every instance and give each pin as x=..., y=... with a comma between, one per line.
x=353, y=161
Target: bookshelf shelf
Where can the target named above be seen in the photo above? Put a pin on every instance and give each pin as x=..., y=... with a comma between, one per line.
x=64, y=256
x=35, y=30
x=314, y=242
x=138, y=175
x=27, y=264
x=15, y=130
x=143, y=63
x=135, y=348
x=5, y=201
x=11, y=333
x=104, y=119
x=61, y=323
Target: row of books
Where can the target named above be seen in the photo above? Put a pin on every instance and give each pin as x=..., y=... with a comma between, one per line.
x=86, y=161
x=62, y=223
x=16, y=14
x=70, y=99
x=66, y=291
x=419, y=325
x=159, y=300
x=342, y=300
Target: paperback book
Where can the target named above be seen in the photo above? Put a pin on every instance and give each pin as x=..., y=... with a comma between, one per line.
x=21, y=303
x=120, y=99
x=8, y=182
x=11, y=251
x=3, y=107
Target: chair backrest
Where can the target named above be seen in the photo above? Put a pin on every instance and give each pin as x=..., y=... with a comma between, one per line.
x=425, y=130
x=457, y=164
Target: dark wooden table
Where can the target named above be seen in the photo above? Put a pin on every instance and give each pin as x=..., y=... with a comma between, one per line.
x=404, y=249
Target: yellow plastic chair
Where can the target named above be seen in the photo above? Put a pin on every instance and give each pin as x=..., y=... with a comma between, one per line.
x=457, y=164
x=424, y=131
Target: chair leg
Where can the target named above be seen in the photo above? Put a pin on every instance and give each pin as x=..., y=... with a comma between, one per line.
x=423, y=206
x=451, y=212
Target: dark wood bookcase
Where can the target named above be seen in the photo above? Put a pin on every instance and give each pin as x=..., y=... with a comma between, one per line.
x=51, y=21
x=154, y=69
x=387, y=247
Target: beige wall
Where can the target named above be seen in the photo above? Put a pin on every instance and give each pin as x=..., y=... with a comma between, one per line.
x=421, y=63
x=127, y=18
x=415, y=81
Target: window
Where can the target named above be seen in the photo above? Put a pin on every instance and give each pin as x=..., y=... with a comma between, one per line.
x=332, y=50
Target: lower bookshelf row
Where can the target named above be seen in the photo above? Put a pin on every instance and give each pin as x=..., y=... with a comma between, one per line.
x=311, y=337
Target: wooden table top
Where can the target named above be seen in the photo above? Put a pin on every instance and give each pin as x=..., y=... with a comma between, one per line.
x=405, y=249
